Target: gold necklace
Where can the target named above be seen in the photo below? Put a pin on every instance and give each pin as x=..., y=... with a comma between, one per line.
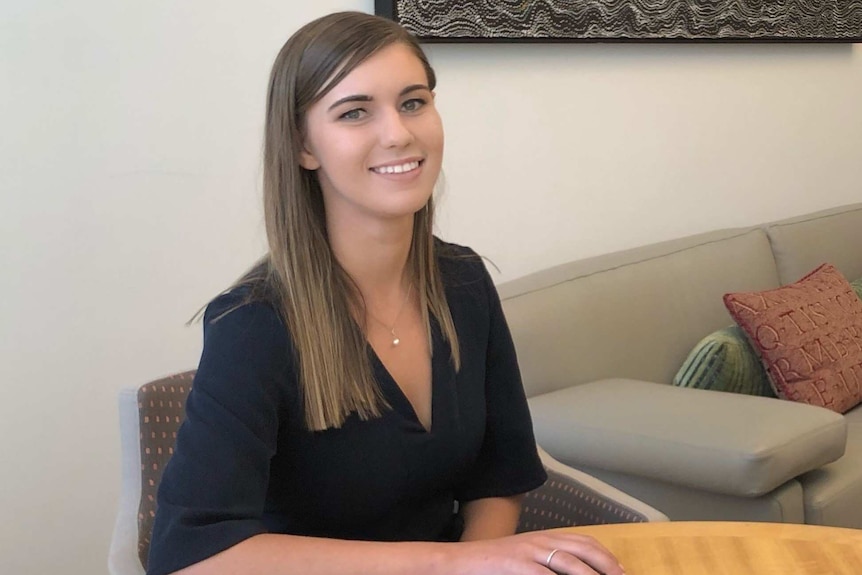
x=391, y=329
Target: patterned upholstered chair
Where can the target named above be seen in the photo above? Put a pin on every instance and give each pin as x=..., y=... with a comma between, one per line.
x=570, y=497
x=149, y=419
x=151, y=415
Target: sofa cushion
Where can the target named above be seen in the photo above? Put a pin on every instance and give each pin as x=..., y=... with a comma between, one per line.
x=809, y=336
x=800, y=244
x=717, y=442
x=632, y=314
x=784, y=504
x=725, y=361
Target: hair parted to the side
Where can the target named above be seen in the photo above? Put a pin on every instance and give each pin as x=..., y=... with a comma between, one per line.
x=299, y=274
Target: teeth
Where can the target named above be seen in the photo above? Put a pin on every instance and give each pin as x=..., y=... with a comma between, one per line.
x=408, y=167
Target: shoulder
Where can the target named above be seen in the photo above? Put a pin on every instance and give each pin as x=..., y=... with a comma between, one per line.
x=459, y=265
x=241, y=307
x=469, y=288
x=449, y=250
x=240, y=323
x=247, y=355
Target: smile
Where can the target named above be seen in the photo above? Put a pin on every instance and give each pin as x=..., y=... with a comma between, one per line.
x=397, y=169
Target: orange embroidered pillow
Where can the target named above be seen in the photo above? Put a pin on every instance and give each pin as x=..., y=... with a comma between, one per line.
x=809, y=337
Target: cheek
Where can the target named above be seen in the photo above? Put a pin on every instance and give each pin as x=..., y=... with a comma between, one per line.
x=434, y=133
x=339, y=153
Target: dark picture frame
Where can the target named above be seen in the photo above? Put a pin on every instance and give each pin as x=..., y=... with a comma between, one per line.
x=627, y=20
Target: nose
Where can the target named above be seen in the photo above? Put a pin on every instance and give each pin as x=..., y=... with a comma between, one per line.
x=394, y=133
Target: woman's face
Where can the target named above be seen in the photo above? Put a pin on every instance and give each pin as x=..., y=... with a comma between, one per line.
x=376, y=140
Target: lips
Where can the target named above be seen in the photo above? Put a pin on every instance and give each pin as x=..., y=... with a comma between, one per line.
x=402, y=168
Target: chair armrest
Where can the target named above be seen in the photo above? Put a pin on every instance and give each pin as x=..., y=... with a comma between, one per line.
x=718, y=442
x=571, y=497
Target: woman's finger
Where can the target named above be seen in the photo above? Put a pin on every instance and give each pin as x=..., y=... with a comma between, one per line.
x=563, y=563
x=575, y=551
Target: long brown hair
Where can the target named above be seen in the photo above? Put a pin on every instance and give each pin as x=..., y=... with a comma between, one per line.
x=300, y=274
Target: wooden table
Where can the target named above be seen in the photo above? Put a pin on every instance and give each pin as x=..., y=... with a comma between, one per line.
x=728, y=548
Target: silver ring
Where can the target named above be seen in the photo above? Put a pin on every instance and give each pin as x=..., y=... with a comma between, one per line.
x=550, y=556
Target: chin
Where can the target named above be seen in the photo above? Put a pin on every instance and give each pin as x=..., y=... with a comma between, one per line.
x=403, y=209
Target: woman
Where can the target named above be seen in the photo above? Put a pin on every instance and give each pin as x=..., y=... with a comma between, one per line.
x=360, y=381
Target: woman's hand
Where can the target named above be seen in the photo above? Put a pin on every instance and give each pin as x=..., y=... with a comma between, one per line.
x=537, y=553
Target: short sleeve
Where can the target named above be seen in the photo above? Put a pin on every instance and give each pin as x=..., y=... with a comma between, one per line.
x=508, y=462
x=213, y=490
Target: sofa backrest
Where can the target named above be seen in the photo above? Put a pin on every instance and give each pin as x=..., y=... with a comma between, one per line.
x=633, y=314
x=834, y=236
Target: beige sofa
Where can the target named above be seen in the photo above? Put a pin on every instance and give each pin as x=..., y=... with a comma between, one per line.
x=600, y=340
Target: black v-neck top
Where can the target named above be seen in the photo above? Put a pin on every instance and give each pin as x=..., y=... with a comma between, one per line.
x=244, y=464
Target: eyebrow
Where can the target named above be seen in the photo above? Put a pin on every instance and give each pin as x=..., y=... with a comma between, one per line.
x=364, y=98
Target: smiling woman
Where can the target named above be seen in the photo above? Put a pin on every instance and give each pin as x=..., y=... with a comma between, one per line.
x=376, y=141
x=358, y=405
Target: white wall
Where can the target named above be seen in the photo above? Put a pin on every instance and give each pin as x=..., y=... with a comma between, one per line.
x=129, y=168
x=561, y=152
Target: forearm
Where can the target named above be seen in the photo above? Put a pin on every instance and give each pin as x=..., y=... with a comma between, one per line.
x=294, y=555
x=522, y=554
x=272, y=554
x=491, y=517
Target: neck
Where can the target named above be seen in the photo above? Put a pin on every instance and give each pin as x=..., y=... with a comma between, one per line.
x=375, y=255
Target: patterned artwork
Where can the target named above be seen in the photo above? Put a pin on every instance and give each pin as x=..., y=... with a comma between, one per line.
x=627, y=20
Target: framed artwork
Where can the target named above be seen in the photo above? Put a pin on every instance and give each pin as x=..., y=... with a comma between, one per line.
x=627, y=20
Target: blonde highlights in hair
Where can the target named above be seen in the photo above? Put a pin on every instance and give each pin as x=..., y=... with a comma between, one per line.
x=300, y=274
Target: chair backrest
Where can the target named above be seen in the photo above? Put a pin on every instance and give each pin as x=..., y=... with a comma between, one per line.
x=149, y=419
x=161, y=406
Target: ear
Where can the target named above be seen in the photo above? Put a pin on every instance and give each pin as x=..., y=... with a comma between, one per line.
x=307, y=160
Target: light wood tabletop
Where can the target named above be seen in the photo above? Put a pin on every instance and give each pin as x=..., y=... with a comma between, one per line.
x=729, y=548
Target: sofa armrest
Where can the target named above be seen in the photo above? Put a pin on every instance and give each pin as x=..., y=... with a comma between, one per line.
x=718, y=442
